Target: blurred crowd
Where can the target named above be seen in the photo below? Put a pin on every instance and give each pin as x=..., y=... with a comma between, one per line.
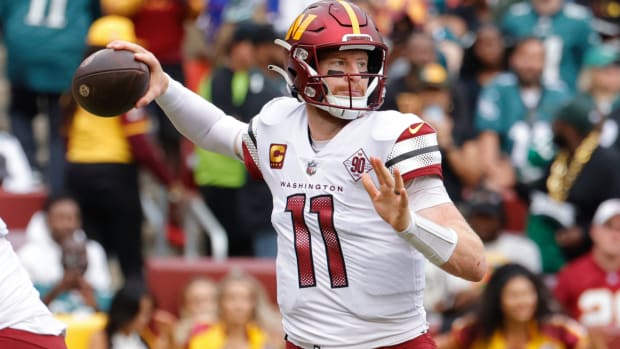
x=524, y=96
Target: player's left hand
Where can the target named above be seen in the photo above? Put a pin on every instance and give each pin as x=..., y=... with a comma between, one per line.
x=390, y=198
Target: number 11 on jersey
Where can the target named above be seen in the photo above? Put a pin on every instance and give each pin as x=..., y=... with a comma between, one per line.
x=323, y=207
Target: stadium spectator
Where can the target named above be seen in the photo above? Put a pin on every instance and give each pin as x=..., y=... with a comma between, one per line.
x=600, y=86
x=581, y=176
x=254, y=204
x=70, y=271
x=321, y=159
x=564, y=27
x=516, y=312
x=45, y=44
x=484, y=210
x=240, y=88
x=198, y=310
x=589, y=287
x=419, y=50
x=469, y=16
x=484, y=60
x=160, y=26
x=244, y=317
x=513, y=117
x=131, y=311
x=104, y=157
x=25, y=322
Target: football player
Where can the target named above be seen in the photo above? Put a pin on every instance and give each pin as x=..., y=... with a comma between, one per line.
x=358, y=199
x=25, y=322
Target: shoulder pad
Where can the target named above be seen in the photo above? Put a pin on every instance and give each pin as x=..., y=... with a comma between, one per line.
x=277, y=109
x=391, y=117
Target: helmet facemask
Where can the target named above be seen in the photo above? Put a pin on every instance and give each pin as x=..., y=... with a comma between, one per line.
x=312, y=88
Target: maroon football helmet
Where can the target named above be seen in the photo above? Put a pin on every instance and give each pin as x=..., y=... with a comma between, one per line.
x=333, y=25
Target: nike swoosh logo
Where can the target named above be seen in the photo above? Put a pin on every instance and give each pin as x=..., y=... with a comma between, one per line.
x=416, y=129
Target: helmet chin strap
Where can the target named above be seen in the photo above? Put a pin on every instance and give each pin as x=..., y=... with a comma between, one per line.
x=339, y=106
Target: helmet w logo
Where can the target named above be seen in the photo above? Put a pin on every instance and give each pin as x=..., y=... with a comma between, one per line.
x=299, y=26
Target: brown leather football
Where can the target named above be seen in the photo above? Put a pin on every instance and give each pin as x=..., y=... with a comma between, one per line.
x=110, y=82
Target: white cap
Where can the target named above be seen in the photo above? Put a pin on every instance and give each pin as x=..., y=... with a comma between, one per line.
x=3, y=229
x=606, y=210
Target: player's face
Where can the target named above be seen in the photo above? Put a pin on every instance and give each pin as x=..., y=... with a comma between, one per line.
x=528, y=62
x=345, y=62
x=519, y=300
x=237, y=303
x=606, y=237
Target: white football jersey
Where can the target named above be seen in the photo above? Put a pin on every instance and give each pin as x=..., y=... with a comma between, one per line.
x=20, y=305
x=345, y=278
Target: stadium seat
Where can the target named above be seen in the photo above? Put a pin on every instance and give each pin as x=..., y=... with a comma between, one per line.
x=16, y=209
x=167, y=276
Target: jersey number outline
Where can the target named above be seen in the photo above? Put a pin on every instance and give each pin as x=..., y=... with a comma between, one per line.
x=55, y=17
x=600, y=307
x=323, y=207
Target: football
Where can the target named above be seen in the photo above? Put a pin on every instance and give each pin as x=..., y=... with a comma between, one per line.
x=110, y=82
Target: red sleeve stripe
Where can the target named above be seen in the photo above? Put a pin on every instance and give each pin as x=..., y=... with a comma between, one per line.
x=425, y=171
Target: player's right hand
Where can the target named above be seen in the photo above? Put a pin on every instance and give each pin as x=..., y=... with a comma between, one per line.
x=159, y=80
x=390, y=197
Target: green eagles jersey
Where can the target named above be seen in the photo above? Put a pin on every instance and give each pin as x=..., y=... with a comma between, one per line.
x=566, y=36
x=524, y=134
x=45, y=40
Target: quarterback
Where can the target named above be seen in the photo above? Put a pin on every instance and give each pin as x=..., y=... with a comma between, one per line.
x=358, y=197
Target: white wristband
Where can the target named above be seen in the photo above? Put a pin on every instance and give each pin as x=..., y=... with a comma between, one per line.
x=434, y=241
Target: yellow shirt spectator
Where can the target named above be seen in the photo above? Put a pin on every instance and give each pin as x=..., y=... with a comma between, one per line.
x=215, y=338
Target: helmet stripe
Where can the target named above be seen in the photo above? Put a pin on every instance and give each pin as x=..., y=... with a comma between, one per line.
x=302, y=27
x=354, y=22
x=299, y=27
x=294, y=26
